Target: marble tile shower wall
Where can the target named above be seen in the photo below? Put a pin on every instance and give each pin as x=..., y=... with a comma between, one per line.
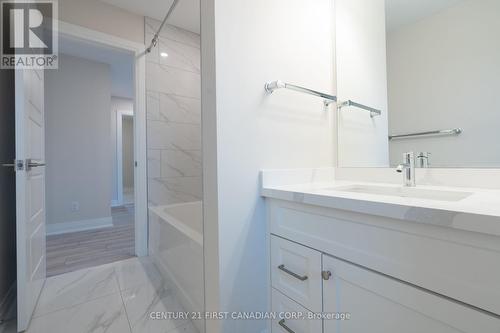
x=173, y=116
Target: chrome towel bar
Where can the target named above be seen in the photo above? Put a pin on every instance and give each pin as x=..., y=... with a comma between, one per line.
x=454, y=131
x=270, y=87
x=373, y=112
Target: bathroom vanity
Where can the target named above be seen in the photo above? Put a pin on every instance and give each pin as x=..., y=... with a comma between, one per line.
x=380, y=258
x=375, y=250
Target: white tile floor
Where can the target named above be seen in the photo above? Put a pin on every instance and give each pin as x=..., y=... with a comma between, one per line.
x=114, y=298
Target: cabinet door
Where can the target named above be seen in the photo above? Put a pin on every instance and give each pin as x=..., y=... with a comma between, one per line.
x=292, y=317
x=380, y=304
x=296, y=272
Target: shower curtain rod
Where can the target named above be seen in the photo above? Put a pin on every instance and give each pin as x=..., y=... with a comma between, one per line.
x=154, y=41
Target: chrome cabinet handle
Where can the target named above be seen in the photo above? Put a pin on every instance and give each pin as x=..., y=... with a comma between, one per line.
x=295, y=275
x=286, y=328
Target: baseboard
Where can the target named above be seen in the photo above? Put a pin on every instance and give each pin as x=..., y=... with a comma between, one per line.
x=84, y=225
x=7, y=303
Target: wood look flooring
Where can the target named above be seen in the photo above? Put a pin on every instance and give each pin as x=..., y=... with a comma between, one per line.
x=73, y=251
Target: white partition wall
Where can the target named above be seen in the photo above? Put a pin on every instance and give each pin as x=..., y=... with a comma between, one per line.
x=244, y=45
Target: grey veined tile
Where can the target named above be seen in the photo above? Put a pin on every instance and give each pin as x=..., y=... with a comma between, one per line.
x=171, y=80
x=179, y=55
x=187, y=328
x=181, y=163
x=167, y=191
x=137, y=271
x=163, y=135
x=154, y=163
x=172, y=32
x=66, y=290
x=143, y=300
x=173, y=108
x=103, y=315
x=153, y=105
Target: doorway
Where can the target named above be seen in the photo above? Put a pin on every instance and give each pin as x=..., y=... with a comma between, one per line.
x=94, y=118
x=82, y=227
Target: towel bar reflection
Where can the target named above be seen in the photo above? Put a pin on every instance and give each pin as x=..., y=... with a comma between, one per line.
x=373, y=112
x=270, y=87
x=454, y=131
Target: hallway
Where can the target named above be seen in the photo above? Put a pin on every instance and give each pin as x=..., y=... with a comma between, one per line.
x=84, y=249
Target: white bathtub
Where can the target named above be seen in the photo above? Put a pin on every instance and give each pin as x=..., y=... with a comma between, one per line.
x=176, y=247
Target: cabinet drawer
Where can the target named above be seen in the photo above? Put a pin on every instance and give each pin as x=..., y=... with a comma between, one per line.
x=285, y=308
x=296, y=272
x=380, y=304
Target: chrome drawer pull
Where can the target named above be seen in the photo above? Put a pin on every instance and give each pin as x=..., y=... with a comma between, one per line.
x=282, y=324
x=295, y=275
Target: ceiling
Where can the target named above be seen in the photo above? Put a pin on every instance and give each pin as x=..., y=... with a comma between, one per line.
x=121, y=63
x=403, y=12
x=186, y=15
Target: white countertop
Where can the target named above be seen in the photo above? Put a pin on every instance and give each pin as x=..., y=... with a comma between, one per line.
x=479, y=212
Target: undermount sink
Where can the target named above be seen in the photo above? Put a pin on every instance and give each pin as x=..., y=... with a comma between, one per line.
x=405, y=192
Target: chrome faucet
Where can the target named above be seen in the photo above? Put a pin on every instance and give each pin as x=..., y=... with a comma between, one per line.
x=408, y=169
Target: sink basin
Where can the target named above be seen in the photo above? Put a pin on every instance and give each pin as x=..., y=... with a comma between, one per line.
x=405, y=192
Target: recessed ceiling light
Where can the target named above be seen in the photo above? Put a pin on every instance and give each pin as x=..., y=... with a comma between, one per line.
x=164, y=54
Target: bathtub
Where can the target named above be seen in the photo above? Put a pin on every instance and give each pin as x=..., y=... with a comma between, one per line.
x=176, y=247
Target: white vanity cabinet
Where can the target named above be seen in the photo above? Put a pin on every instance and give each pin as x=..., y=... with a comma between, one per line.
x=329, y=262
x=380, y=304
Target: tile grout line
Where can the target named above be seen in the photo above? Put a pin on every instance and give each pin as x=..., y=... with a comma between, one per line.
x=123, y=302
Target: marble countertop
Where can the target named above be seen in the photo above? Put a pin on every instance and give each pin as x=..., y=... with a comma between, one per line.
x=479, y=212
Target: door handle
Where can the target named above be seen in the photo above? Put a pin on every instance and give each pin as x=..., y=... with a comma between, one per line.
x=30, y=164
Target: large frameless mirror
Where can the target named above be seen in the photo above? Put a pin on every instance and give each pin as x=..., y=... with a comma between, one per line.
x=433, y=68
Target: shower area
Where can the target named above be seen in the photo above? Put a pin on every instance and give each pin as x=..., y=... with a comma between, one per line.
x=173, y=104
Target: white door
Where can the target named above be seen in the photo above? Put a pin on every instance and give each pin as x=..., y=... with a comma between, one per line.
x=30, y=192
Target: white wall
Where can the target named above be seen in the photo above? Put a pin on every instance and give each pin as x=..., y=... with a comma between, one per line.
x=246, y=44
x=77, y=140
x=100, y=16
x=117, y=103
x=173, y=116
x=444, y=72
x=362, y=77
